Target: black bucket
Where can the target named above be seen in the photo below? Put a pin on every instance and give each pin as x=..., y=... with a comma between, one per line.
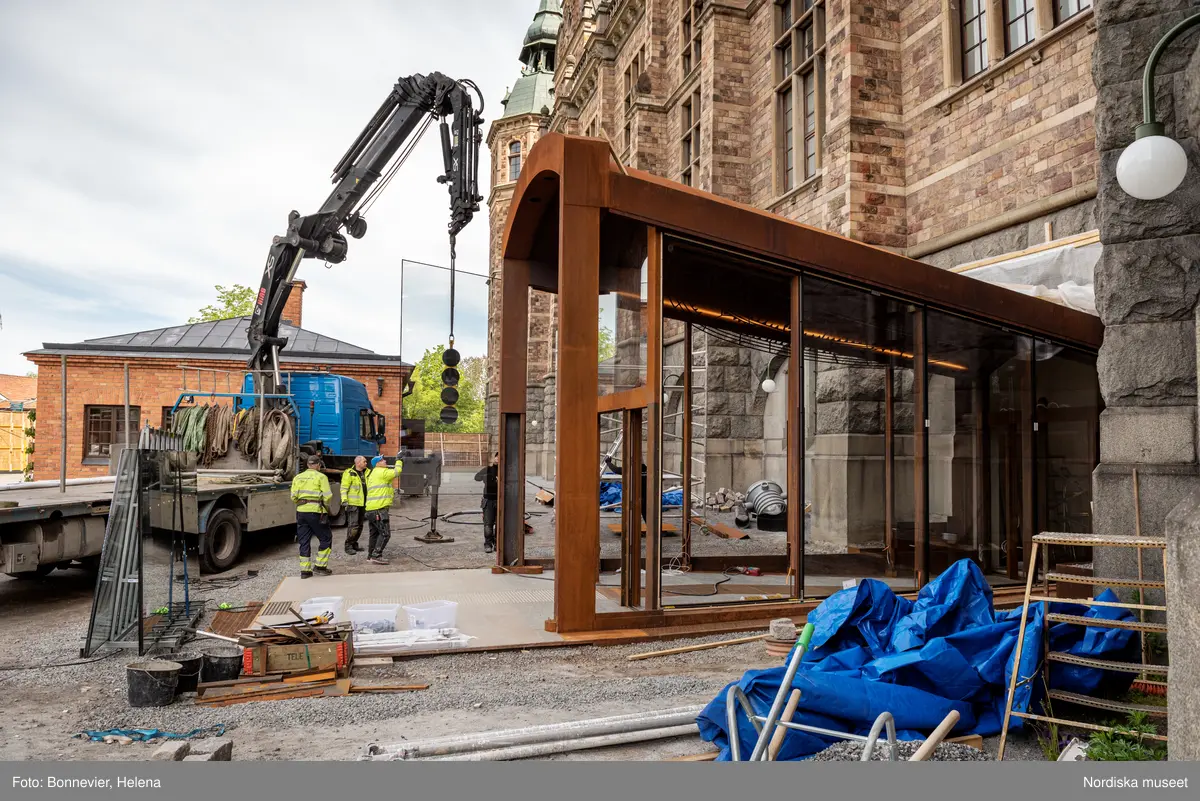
x=153, y=682
x=189, y=675
x=221, y=663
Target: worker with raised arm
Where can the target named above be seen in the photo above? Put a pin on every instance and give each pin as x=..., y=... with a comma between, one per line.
x=488, y=476
x=380, y=493
x=354, y=499
x=312, y=495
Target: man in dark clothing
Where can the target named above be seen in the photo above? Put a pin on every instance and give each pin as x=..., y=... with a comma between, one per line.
x=488, y=476
x=608, y=462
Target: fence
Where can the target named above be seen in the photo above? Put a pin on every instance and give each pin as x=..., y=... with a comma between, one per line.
x=458, y=450
x=13, y=441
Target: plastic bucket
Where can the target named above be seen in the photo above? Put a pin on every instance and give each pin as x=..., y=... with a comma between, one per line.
x=189, y=673
x=153, y=682
x=221, y=663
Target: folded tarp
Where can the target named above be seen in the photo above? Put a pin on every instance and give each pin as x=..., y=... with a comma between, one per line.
x=873, y=651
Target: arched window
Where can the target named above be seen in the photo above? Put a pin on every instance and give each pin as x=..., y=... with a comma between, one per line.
x=514, y=160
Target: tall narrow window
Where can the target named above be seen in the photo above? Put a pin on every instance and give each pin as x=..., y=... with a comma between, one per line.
x=691, y=34
x=799, y=89
x=631, y=75
x=974, y=37
x=1019, y=22
x=514, y=160
x=1065, y=9
x=689, y=145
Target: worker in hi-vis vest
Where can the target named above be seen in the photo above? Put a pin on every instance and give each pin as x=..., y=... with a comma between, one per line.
x=312, y=496
x=354, y=498
x=380, y=493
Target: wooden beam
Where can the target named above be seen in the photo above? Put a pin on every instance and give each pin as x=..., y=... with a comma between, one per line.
x=685, y=547
x=921, y=449
x=794, y=447
x=654, y=412
x=687, y=649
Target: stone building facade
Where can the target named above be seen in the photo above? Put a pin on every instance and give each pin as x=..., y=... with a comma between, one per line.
x=948, y=130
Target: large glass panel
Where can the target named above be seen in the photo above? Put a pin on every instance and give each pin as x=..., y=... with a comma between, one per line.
x=979, y=415
x=860, y=467
x=726, y=335
x=622, y=304
x=1067, y=443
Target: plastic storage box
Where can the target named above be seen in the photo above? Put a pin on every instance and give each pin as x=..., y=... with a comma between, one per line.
x=324, y=605
x=374, y=618
x=432, y=615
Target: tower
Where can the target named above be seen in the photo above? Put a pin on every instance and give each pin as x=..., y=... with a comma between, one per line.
x=527, y=109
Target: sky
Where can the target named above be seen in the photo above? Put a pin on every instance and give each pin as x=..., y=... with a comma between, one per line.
x=151, y=150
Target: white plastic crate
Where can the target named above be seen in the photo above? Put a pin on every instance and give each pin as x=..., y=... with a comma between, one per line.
x=374, y=618
x=432, y=615
x=325, y=605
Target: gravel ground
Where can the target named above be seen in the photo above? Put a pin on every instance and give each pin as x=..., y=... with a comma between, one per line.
x=46, y=706
x=945, y=752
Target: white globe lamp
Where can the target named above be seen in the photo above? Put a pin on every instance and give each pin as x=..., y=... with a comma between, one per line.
x=768, y=386
x=1152, y=167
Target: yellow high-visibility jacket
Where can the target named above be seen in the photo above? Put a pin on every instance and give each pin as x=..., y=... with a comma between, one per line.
x=311, y=492
x=379, y=487
x=353, y=492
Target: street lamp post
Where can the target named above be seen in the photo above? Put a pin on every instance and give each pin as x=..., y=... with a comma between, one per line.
x=1155, y=164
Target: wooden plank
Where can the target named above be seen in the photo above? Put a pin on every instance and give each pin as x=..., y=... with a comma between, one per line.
x=969, y=740
x=794, y=448
x=387, y=688
x=667, y=528
x=328, y=675
x=300, y=692
x=701, y=647
x=368, y=661
x=209, y=685
x=707, y=756
x=654, y=412
x=518, y=570
x=685, y=547
x=722, y=530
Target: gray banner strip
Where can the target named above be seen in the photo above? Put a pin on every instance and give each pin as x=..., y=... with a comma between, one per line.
x=603, y=781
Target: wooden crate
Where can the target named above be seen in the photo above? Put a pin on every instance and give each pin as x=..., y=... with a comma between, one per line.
x=261, y=660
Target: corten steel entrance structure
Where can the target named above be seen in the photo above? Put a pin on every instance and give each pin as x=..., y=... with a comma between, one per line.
x=585, y=228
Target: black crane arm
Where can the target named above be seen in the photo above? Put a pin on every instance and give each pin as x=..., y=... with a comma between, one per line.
x=412, y=102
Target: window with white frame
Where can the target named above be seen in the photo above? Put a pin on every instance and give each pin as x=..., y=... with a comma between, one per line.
x=1065, y=9
x=689, y=146
x=514, y=160
x=691, y=34
x=799, y=69
x=1020, y=24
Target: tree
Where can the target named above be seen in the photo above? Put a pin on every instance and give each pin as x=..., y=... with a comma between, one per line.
x=425, y=402
x=608, y=346
x=474, y=370
x=235, y=301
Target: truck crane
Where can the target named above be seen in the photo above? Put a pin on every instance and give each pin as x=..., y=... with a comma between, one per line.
x=412, y=105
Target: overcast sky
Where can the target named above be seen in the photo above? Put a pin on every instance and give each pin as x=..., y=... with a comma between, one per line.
x=151, y=150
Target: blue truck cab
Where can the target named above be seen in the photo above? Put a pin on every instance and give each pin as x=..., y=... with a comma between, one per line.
x=331, y=409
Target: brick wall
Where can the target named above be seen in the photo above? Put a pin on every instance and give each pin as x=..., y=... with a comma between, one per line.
x=153, y=384
x=293, y=310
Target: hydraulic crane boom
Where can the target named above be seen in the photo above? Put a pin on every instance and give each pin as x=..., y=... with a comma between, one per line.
x=411, y=105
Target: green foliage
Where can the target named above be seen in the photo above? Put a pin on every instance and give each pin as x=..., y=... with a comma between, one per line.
x=425, y=402
x=30, y=432
x=234, y=301
x=608, y=345
x=1049, y=739
x=1126, y=742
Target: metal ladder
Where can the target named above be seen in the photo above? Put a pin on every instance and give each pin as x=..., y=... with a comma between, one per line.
x=1043, y=541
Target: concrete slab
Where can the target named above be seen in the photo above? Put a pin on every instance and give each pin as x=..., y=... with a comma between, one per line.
x=499, y=611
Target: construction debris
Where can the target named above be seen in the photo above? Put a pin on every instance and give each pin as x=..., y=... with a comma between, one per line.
x=849, y=751
x=701, y=647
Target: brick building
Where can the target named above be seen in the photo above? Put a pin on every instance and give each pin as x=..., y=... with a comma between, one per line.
x=208, y=356
x=952, y=131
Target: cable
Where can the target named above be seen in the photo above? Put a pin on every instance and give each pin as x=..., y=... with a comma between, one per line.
x=58, y=665
x=715, y=591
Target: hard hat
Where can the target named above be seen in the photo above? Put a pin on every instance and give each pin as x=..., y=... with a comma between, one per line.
x=375, y=462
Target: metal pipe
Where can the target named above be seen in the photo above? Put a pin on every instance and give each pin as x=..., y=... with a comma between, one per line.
x=62, y=467
x=536, y=734
x=885, y=719
x=1150, y=125
x=126, y=366
x=54, y=482
x=574, y=744
x=764, y=737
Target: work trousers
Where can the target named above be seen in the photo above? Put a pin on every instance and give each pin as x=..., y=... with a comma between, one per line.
x=489, y=522
x=309, y=525
x=355, y=516
x=381, y=532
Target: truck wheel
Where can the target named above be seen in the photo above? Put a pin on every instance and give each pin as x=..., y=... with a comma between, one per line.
x=41, y=571
x=222, y=541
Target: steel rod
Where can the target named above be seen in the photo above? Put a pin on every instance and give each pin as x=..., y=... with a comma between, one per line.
x=574, y=744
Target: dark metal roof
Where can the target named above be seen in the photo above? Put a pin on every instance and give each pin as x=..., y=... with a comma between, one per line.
x=216, y=339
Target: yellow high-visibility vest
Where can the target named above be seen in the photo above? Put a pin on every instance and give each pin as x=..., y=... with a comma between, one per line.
x=311, y=492
x=353, y=493
x=379, y=487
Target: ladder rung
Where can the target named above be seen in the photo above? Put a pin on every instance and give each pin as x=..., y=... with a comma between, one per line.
x=1104, y=703
x=1099, y=622
x=1098, y=541
x=1107, y=664
x=1078, y=724
x=1066, y=578
x=1094, y=602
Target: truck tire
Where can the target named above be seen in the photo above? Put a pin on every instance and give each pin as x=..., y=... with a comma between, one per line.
x=40, y=572
x=222, y=542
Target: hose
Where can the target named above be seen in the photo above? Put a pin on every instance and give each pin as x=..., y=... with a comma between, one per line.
x=217, y=433
x=277, y=440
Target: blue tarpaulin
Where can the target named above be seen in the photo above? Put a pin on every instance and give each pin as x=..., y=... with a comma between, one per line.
x=874, y=651
x=610, y=493
x=146, y=735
